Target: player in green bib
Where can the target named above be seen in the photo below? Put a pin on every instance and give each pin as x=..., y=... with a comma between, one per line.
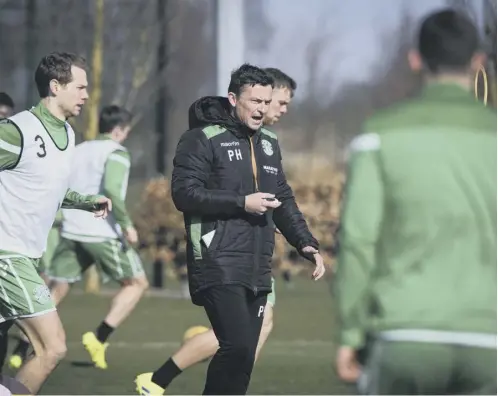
x=205, y=345
x=101, y=166
x=20, y=351
x=36, y=149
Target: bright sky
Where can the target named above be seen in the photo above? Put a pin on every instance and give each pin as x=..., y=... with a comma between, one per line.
x=354, y=31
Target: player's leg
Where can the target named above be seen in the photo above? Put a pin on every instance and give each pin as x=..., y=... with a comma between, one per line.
x=125, y=267
x=195, y=350
x=21, y=349
x=69, y=262
x=203, y=346
x=265, y=329
x=267, y=319
x=239, y=323
x=59, y=287
x=236, y=315
x=46, y=335
x=26, y=299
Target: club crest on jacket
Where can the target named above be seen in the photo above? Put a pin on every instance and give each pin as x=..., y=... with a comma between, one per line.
x=267, y=148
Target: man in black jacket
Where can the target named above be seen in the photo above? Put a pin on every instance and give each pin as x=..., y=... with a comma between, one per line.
x=229, y=183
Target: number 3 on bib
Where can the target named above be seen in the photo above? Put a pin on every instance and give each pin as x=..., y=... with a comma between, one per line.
x=43, y=152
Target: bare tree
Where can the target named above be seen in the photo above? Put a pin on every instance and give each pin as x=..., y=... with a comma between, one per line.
x=94, y=102
x=12, y=66
x=192, y=73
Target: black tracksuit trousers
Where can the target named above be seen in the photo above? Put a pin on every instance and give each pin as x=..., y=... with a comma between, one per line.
x=236, y=315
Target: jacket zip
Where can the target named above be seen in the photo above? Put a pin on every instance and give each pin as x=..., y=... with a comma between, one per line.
x=257, y=230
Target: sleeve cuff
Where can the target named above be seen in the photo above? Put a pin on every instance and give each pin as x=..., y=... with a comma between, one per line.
x=354, y=338
x=241, y=202
x=312, y=242
x=125, y=224
x=93, y=198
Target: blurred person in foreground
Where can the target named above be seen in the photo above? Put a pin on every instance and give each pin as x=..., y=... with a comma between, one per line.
x=101, y=166
x=417, y=262
x=6, y=110
x=203, y=346
x=229, y=183
x=36, y=150
x=6, y=106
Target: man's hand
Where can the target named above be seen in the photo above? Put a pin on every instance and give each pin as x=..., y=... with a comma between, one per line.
x=259, y=203
x=347, y=364
x=131, y=235
x=102, y=207
x=318, y=260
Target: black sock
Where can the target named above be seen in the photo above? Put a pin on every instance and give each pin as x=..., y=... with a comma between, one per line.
x=166, y=373
x=22, y=348
x=103, y=332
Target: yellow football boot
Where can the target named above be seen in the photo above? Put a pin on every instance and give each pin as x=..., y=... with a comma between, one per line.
x=96, y=349
x=145, y=386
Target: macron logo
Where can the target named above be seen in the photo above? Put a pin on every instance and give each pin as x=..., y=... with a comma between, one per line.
x=230, y=144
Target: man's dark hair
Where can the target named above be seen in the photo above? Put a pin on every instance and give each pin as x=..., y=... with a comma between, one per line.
x=447, y=41
x=6, y=100
x=56, y=66
x=248, y=75
x=282, y=80
x=113, y=116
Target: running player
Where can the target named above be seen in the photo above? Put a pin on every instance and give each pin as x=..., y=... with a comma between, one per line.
x=101, y=166
x=21, y=349
x=36, y=150
x=204, y=345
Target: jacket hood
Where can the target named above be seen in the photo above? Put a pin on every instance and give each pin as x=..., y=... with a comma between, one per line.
x=209, y=110
x=215, y=110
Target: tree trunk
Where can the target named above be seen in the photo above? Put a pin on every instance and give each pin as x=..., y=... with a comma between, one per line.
x=92, y=282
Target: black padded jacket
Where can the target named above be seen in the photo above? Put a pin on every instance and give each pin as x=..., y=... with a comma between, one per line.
x=213, y=172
